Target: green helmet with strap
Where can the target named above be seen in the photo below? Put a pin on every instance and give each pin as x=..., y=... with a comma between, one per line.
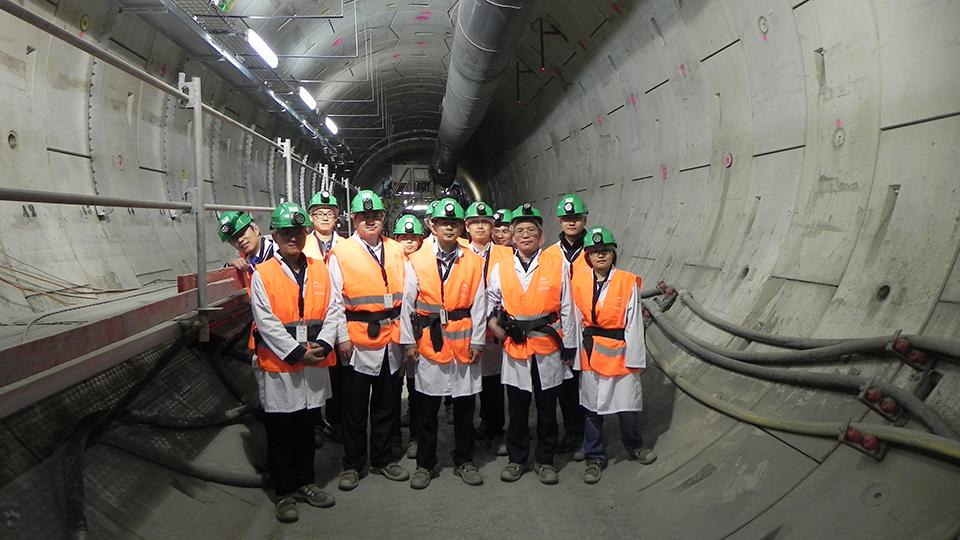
x=366, y=201
x=289, y=214
x=479, y=209
x=433, y=204
x=408, y=224
x=447, y=208
x=598, y=237
x=502, y=217
x=323, y=198
x=571, y=205
x=232, y=224
x=528, y=212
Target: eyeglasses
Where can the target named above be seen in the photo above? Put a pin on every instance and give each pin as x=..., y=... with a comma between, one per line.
x=292, y=232
x=532, y=231
x=328, y=214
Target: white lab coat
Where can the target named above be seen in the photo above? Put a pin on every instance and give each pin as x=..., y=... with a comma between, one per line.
x=492, y=357
x=453, y=378
x=292, y=391
x=608, y=395
x=516, y=372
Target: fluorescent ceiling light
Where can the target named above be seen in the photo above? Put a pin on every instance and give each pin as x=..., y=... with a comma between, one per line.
x=331, y=125
x=308, y=99
x=262, y=48
x=418, y=207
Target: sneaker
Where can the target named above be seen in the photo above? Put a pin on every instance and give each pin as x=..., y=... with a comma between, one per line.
x=314, y=496
x=547, y=473
x=579, y=455
x=349, y=479
x=422, y=476
x=512, y=472
x=593, y=472
x=498, y=445
x=412, y=449
x=287, y=510
x=392, y=471
x=567, y=444
x=645, y=456
x=470, y=474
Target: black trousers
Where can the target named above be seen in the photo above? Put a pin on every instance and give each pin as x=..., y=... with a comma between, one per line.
x=290, y=449
x=427, y=409
x=367, y=396
x=333, y=407
x=518, y=441
x=396, y=439
x=491, y=406
x=570, y=406
x=412, y=403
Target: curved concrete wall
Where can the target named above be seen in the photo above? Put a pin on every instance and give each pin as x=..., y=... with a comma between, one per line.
x=782, y=161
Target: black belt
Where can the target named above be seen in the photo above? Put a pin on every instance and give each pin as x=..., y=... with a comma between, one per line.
x=313, y=331
x=373, y=319
x=518, y=330
x=432, y=321
x=590, y=332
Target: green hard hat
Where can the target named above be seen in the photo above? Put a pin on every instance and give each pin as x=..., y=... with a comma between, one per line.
x=408, y=224
x=597, y=237
x=289, y=214
x=502, y=216
x=479, y=209
x=322, y=198
x=571, y=205
x=447, y=208
x=366, y=201
x=527, y=211
x=232, y=224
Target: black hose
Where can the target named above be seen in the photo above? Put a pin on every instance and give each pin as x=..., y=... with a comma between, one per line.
x=167, y=421
x=202, y=472
x=836, y=381
x=803, y=356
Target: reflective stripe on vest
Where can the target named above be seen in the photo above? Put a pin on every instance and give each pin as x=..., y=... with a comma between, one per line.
x=609, y=355
x=364, y=290
x=459, y=291
x=283, y=294
x=541, y=298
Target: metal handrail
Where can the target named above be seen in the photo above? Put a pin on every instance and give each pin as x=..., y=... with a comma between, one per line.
x=53, y=197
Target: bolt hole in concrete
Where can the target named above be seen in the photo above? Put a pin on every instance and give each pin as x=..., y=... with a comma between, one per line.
x=744, y=272
x=12, y=140
x=883, y=292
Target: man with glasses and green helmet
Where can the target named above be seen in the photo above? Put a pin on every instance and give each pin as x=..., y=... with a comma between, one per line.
x=502, y=233
x=324, y=212
x=243, y=234
x=297, y=312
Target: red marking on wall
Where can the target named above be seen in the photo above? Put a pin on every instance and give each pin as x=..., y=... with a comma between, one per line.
x=663, y=173
x=599, y=119
x=764, y=37
x=683, y=70
x=582, y=44
x=421, y=44
x=337, y=42
x=838, y=123
x=396, y=55
x=82, y=34
x=728, y=161
x=542, y=69
x=633, y=101
x=616, y=7
x=424, y=15
x=163, y=69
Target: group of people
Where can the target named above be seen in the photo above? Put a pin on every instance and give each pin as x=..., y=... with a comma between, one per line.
x=340, y=321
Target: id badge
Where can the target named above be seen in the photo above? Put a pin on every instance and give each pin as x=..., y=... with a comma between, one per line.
x=443, y=316
x=388, y=301
x=301, y=333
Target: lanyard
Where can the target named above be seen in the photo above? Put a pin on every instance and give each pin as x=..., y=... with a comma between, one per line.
x=254, y=260
x=301, y=278
x=380, y=261
x=444, y=275
x=597, y=288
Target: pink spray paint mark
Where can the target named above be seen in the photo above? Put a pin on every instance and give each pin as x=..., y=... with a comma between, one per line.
x=683, y=70
x=424, y=15
x=728, y=161
x=421, y=44
x=838, y=123
x=764, y=37
x=582, y=44
x=616, y=7
x=599, y=119
x=337, y=42
x=663, y=172
x=633, y=101
x=396, y=55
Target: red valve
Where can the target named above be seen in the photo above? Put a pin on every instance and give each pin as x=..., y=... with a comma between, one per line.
x=873, y=395
x=918, y=357
x=670, y=291
x=870, y=442
x=901, y=345
x=853, y=434
x=888, y=405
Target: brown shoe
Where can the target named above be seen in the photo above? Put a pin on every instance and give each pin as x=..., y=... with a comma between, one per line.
x=287, y=510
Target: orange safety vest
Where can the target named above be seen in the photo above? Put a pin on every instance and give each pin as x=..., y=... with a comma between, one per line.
x=608, y=356
x=312, y=247
x=542, y=298
x=579, y=263
x=364, y=290
x=456, y=294
x=283, y=294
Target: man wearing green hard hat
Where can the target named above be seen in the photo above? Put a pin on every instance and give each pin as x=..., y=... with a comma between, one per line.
x=409, y=231
x=480, y=219
x=367, y=269
x=612, y=354
x=324, y=212
x=297, y=313
x=243, y=234
x=442, y=326
x=572, y=216
x=502, y=233
x=531, y=313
